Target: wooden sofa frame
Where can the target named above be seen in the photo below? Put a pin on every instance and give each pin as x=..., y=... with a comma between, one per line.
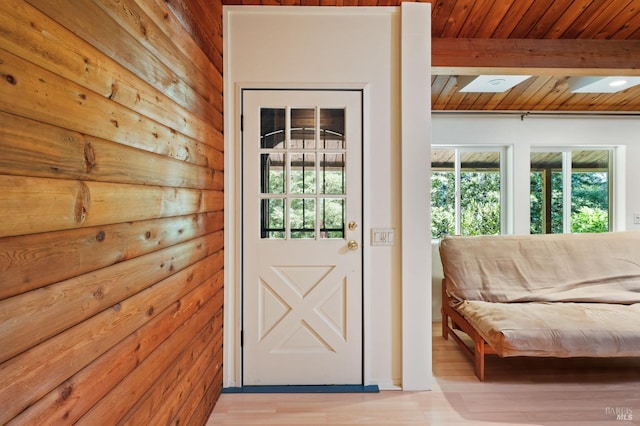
x=481, y=347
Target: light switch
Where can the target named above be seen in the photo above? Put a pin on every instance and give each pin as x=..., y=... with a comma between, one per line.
x=382, y=236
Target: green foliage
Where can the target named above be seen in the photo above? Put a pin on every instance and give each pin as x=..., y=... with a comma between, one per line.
x=479, y=204
x=588, y=219
x=442, y=204
x=302, y=211
x=589, y=202
x=537, y=203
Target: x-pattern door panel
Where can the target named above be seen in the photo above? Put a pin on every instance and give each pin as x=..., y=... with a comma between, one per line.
x=302, y=309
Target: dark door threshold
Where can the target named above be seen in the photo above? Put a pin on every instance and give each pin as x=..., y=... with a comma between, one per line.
x=304, y=389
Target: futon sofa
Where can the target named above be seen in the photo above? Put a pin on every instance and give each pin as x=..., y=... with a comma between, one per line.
x=560, y=295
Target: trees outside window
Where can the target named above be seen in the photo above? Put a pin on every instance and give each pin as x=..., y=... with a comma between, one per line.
x=570, y=191
x=466, y=191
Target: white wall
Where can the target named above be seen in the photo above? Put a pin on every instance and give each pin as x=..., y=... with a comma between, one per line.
x=544, y=130
x=351, y=48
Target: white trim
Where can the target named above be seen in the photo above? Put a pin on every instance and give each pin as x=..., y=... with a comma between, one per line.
x=416, y=170
x=367, y=314
x=508, y=188
x=232, y=259
x=566, y=191
x=618, y=200
x=457, y=227
x=314, y=10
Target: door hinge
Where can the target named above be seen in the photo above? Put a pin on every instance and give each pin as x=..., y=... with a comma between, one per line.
x=242, y=122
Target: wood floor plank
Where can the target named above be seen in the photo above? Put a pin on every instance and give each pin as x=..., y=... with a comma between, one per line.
x=517, y=391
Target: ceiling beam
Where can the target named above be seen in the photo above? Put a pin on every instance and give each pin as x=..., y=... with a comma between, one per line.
x=473, y=56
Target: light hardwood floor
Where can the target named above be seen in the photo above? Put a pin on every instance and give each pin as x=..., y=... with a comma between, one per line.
x=517, y=391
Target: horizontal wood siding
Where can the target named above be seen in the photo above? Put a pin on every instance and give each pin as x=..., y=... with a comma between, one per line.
x=111, y=211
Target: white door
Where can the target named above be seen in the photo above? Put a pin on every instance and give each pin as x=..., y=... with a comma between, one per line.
x=302, y=231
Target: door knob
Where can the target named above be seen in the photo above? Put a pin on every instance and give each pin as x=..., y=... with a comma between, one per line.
x=353, y=225
x=353, y=245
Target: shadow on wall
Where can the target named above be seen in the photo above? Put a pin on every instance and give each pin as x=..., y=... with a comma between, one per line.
x=436, y=281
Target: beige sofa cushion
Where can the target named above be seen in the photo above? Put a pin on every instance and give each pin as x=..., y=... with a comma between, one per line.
x=557, y=329
x=550, y=268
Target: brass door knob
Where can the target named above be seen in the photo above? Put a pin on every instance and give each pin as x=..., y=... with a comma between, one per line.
x=353, y=225
x=353, y=245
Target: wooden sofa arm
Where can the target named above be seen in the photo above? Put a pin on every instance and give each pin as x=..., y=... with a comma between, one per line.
x=459, y=323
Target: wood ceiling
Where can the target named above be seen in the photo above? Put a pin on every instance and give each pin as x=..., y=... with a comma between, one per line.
x=548, y=39
x=551, y=40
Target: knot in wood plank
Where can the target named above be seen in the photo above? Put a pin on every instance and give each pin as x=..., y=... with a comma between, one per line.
x=83, y=202
x=89, y=157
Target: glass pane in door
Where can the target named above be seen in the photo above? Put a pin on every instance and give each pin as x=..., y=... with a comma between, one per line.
x=303, y=173
x=303, y=128
x=272, y=215
x=302, y=218
x=272, y=173
x=332, y=217
x=332, y=173
x=332, y=128
x=272, y=125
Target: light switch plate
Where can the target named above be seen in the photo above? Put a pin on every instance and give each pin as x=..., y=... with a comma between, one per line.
x=382, y=236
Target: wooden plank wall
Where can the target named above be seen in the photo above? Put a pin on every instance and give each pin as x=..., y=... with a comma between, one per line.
x=111, y=211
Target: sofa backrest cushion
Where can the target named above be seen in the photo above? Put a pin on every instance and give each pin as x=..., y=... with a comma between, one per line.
x=601, y=267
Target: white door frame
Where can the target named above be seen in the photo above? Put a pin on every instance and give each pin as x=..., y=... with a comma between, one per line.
x=233, y=231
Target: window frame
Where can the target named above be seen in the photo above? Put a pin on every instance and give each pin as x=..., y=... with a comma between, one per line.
x=566, y=152
x=459, y=149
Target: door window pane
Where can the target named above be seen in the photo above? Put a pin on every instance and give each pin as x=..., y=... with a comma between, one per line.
x=272, y=174
x=272, y=218
x=272, y=127
x=306, y=172
x=332, y=178
x=303, y=173
x=332, y=129
x=302, y=217
x=332, y=216
x=303, y=128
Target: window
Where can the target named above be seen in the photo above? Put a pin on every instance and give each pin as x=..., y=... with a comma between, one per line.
x=571, y=191
x=302, y=173
x=467, y=191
